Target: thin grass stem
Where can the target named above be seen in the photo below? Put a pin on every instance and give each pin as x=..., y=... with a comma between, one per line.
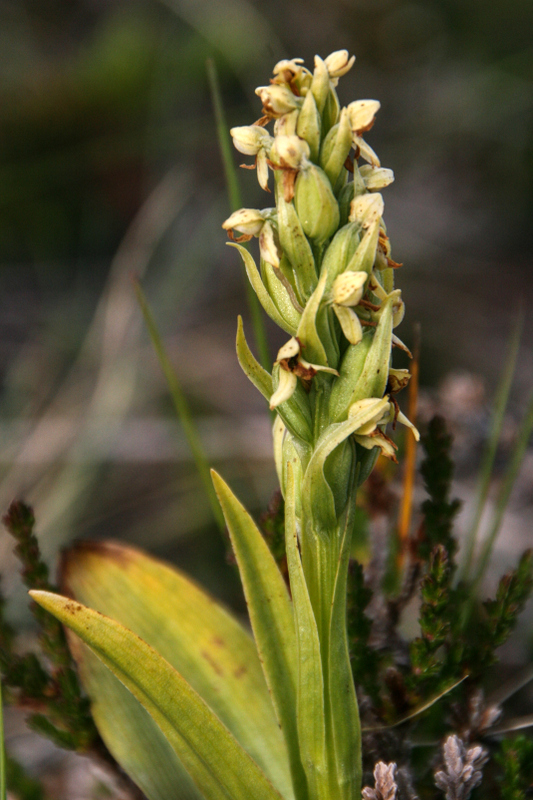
x=235, y=201
x=487, y=464
x=505, y=492
x=182, y=407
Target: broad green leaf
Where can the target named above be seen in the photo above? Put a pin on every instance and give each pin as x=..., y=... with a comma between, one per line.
x=311, y=712
x=129, y=732
x=193, y=632
x=271, y=616
x=219, y=766
x=264, y=298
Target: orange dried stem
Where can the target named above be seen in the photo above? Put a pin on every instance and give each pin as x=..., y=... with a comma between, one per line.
x=406, y=505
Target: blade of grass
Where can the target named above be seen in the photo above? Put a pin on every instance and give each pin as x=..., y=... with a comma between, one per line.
x=182, y=407
x=500, y=404
x=235, y=201
x=505, y=492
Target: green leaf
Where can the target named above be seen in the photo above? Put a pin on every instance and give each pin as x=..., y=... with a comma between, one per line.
x=219, y=766
x=259, y=288
x=311, y=712
x=271, y=616
x=198, y=637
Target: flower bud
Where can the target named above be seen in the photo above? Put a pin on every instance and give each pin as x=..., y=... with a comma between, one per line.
x=246, y=220
x=315, y=204
x=290, y=151
x=308, y=126
x=336, y=147
x=277, y=100
x=376, y=178
x=320, y=83
x=367, y=209
x=338, y=64
x=349, y=288
x=361, y=114
x=249, y=139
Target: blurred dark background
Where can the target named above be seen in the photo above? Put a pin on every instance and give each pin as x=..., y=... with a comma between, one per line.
x=109, y=165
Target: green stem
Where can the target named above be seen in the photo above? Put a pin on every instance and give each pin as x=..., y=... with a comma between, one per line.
x=182, y=407
x=235, y=201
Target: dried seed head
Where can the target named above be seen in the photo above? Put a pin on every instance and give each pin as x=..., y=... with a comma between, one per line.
x=385, y=786
x=463, y=768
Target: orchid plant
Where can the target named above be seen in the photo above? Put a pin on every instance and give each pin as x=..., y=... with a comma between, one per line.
x=183, y=698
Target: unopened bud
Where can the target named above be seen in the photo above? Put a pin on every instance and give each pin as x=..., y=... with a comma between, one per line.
x=367, y=209
x=315, y=204
x=336, y=147
x=308, y=126
x=320, y=83
x=339, y=63
x=348, y=288
x=376, y=178
x=249, y=139
x=246, y=220
x=277, y=100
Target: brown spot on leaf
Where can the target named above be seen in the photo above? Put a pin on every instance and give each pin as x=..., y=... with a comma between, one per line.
x=212, y=663
x=240, y=671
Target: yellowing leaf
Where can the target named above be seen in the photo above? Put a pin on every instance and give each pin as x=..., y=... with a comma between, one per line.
x=216, y=762
x=193, y=632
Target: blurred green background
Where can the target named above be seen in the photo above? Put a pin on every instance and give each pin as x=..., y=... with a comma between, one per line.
x=109, y=165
